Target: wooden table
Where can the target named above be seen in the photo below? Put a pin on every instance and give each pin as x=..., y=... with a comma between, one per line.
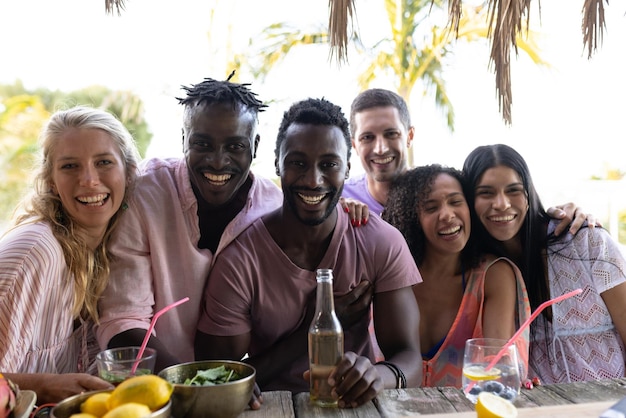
x=583, y=399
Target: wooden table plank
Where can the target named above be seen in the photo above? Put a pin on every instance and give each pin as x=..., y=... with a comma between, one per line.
x=275, y=404
x=304, y=409
x=399, y=402
x=593, y=391
x=583, y=410
x=560, y=400
x=457, y=398
x=538, y=396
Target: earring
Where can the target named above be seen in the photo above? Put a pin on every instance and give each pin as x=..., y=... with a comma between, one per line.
x=124, y=206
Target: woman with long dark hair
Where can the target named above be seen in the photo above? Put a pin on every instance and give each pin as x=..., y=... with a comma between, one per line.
x=581, y=338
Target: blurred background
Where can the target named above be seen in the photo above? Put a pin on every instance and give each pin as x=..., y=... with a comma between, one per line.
x=567, y=108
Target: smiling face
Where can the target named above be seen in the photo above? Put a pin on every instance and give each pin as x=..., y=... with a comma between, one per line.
x=313, y=166
x=89, y=176
x=219, y=144
x=381, y=141
x=501, y=202
x=445, y=217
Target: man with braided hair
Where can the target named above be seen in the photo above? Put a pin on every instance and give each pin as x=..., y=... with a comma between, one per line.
x=183, y=213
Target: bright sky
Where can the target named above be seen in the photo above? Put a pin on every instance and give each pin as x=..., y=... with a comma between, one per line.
x=567, y=120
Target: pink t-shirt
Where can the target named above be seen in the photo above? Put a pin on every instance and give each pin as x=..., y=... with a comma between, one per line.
x=254, y=287
x=156, y=260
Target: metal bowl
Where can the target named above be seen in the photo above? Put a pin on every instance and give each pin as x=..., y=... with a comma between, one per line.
x=71, y=405
x=226, y=400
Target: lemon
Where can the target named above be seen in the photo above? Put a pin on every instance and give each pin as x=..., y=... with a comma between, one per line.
x=489, y=405
x=129, y=410
x=150, y=390
x=479, y=373
x=96, y=404
x=83, y=415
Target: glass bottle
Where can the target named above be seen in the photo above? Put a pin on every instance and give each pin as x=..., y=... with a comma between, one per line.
x=325, y=340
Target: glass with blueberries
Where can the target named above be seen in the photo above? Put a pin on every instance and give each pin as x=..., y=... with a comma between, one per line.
x=502, y=379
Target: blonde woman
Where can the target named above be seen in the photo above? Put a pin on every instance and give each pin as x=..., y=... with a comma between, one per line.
x=54, y=261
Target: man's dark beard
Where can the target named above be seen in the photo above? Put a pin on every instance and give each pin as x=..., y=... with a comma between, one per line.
x=290, y=199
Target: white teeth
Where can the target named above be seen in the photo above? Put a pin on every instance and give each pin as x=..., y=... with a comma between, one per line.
x=383, y=160
x=450, y=231
x=93, y=200
x=311, y=200
x=217, y=178
x=502, y=218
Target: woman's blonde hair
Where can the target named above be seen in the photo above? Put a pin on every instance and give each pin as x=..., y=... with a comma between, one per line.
x=90, y=269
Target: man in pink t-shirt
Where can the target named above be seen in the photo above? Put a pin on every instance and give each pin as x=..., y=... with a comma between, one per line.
x=260, y=286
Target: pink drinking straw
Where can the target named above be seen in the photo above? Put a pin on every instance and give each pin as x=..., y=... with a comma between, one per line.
x=522, y=327
x=149, y=332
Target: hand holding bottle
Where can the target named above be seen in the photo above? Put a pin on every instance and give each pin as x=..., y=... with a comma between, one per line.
x=355, y=381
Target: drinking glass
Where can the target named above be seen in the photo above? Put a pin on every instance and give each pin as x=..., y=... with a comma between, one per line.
x=503, y=379
x=115, y=364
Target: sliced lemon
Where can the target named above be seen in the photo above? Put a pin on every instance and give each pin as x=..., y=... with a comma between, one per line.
x=479, y=373
x=489, y=405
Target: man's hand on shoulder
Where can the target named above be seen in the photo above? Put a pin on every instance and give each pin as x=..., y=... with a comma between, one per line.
x=572, y=218
x=353, y=305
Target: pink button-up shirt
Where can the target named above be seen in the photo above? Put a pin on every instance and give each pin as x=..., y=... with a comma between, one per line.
x=156, y=260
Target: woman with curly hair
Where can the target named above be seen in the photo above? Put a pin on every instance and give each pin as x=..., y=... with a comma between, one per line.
x=464, y=294
x=54, y=262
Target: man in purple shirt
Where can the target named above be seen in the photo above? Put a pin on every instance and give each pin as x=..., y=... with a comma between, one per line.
x=382, y=133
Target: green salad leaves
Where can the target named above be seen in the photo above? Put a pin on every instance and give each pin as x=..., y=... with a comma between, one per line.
x=213, y=376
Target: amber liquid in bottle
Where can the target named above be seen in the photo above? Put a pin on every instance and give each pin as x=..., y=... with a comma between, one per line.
x=325, y=341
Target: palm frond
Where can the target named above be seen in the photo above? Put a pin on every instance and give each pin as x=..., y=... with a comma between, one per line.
x=114, y=5
x=505, y=23
x=454, y=13
x=593, y=24
x=443, y=101
x=276, y=41
x=341, y=12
